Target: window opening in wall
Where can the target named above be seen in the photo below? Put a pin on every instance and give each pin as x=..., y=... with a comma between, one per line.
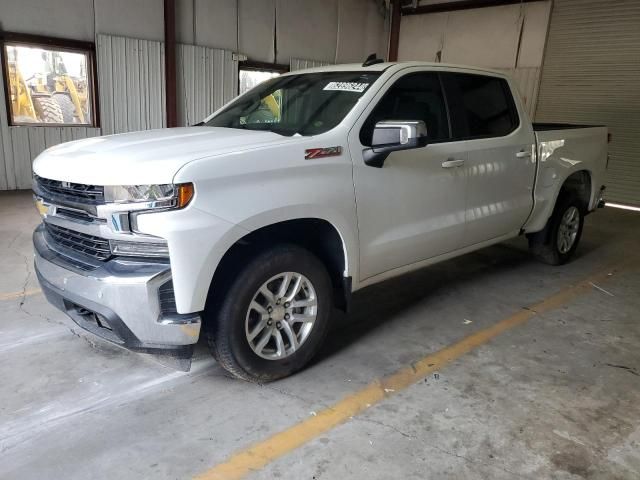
x=252, y=74
x=49, y=83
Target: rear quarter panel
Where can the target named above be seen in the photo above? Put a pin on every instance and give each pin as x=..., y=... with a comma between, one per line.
x=560, y=154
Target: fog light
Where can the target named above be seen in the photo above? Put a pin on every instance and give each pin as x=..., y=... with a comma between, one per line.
x=139, y=249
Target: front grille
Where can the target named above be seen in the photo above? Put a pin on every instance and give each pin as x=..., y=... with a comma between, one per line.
x=76, y=192
x=95, y=247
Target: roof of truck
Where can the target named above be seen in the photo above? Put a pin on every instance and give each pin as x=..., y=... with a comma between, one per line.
x=380, y=67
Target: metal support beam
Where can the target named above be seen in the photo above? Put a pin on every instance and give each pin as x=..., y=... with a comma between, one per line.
x=171, y=93
x=460, y=5
x=394, y=34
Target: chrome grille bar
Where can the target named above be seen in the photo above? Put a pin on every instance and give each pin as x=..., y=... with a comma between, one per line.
x=77, y=192
x=95, y=247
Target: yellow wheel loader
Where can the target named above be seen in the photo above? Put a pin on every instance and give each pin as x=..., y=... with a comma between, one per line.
x=69, y=93
x=49, y=97
x=30, y=104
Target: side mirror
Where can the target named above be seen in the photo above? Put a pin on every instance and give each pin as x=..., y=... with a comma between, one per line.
x=393, y=135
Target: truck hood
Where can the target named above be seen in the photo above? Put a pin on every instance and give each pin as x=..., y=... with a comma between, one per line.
x=152, y=156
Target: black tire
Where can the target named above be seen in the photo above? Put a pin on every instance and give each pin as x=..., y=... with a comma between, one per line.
x=66, y=106
x=47, y=110
x=226, y=321
x=544, y=244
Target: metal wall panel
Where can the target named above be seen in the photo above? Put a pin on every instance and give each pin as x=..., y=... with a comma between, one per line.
x=527, y=80
x=28, y=142
x=207, y=79
x=7, y=175
x=131, y=84
x=301, y=64
x=590, y=75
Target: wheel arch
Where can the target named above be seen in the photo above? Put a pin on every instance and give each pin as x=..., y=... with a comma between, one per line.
x=578, y=180
x=318, y=235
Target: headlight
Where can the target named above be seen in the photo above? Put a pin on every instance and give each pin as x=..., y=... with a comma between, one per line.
x=156, y=196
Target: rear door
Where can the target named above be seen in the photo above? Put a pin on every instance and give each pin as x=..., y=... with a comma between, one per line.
x=412, y=208
x=500, y=166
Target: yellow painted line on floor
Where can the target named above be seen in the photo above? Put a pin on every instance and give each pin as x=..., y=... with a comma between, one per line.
x=14, y=295
x=263, y=453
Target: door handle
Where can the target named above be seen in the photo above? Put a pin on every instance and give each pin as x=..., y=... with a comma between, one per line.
x=451, y=163
x=523, y=154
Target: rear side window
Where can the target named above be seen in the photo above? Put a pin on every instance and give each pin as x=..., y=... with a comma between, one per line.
x=480, y=106
x=416, y=96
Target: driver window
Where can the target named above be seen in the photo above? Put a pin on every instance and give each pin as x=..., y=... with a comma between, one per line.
x=416, y=96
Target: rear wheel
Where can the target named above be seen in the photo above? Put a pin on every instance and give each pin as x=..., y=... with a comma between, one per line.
x=47, y=110
x=557, y=243
x=274, y=316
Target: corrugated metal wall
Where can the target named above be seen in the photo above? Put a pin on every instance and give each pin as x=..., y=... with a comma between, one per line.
x=28, y=142
x=591, y=75
x=207, y=79
x=131, y=84
x=301, y=64
x=20, y=145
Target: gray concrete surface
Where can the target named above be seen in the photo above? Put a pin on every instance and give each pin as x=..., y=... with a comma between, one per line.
x=558, y=397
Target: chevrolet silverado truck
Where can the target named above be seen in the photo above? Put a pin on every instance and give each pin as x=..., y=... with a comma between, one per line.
x=251, y=227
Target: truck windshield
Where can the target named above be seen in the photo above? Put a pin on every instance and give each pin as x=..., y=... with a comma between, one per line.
x=305, y=104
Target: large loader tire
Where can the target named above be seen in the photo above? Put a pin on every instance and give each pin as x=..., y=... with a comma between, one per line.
x=47, y=110
x=66, y=106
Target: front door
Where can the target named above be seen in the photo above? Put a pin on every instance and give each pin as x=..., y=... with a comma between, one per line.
x=413, y=208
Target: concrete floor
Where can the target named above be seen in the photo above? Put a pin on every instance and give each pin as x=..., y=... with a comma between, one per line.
x=558, y=397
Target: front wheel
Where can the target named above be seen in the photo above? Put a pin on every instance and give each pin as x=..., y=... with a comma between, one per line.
x=557, y=243
x=273, y=317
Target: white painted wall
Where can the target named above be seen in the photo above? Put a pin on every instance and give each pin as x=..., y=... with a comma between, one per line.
x=361, y=31
x=335, y=31
x=59, y=18
x=485, y=37
x=77, y=20
x=141, y=19
x=510, y=38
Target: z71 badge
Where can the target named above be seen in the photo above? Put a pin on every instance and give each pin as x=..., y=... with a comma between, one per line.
x=313, y=153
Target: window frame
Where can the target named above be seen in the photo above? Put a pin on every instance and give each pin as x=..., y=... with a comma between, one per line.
x=60, y=44
x=253, y=66
x=513, y=108
x=450, y=112
x=447, y=112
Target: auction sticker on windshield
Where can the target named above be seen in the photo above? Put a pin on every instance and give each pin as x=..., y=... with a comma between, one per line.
x=357, y=87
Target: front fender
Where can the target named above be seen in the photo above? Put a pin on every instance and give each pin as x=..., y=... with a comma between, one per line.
x=345, y=230
x=197, y=242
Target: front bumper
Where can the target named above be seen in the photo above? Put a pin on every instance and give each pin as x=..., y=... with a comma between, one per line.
x=125, y=301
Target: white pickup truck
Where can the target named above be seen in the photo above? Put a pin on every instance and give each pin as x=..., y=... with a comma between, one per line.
x=256, y=224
